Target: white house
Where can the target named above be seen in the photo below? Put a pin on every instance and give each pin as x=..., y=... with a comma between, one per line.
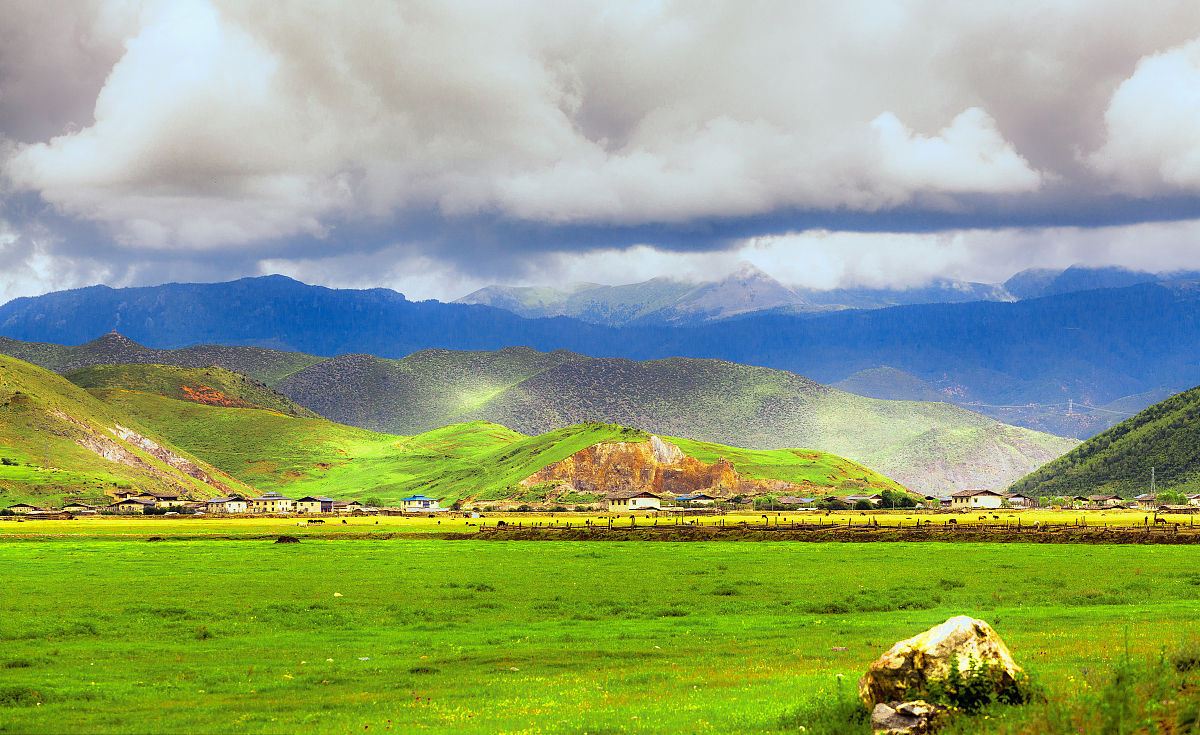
x=971, y=499
x=697, y=499
x=633, y=500
x=77, y=508
x=1193, y=499
x=233, y=504
x=1020, y=500
x=20, y=509
x=1105, y=501
x=271, y=502
x=314, y=504
x=420, y=504
x=136, y=506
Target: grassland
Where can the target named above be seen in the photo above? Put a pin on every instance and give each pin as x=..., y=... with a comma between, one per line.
x=211, y=386
x=436, y=636
x=46, y=427
x=274, y=451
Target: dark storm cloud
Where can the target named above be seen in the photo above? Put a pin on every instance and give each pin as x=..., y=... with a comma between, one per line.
x=465, y=141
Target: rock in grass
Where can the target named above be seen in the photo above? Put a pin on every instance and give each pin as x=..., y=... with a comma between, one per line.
x=908, y=670
x=908, y=718
x=287, y=540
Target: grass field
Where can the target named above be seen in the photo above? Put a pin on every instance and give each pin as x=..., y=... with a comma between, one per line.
x=141, y=527
x=417, y=635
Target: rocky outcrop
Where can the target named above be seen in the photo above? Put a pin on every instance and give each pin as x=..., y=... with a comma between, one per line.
x=154, y=449
x=907, y=718
x=656, y=466
x=911, y=666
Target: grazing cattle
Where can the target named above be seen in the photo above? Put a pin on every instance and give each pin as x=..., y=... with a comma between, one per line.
x=953, y=521
x=1160, y=521
x=995, y=516
x=316, y=521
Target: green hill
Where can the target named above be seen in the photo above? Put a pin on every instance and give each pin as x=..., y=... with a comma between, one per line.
x=268, y=366
x=58, y=441
x=213, y=386
x=930, y=447
x=1164, y=437
x=479, y=460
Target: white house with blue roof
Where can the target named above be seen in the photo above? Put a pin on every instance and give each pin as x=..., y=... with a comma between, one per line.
x=420, y=504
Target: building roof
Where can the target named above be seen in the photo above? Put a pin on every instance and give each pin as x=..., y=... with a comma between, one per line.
x=268, y=497
x=139, y=501
x=696, y=496
x=1146, y=496
x=974, y=493
x=1104, y=497
x=161, y=495
x=22, y=505
x=416, y=498
x=230, y=499
x=629, y=494
x=793, y=500
x=314, y=499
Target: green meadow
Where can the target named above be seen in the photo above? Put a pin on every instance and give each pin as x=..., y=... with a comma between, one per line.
x=429, y=635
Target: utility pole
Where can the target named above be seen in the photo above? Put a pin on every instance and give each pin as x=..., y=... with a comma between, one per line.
x=1152, y=491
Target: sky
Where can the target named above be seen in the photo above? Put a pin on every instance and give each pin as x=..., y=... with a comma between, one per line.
x=435, y=147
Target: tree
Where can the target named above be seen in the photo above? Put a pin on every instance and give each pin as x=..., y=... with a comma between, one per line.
x=1171, y=497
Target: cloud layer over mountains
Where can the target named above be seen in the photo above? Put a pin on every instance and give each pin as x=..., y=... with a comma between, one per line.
x=144, y=140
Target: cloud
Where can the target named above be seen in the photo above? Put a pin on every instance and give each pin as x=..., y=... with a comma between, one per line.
x=225, y=123
x=1152, y=125
x=428, y=143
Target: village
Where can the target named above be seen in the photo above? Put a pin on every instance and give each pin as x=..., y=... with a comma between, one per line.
x=127, y=503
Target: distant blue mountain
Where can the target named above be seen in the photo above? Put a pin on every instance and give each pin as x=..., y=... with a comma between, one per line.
x=1081, y=350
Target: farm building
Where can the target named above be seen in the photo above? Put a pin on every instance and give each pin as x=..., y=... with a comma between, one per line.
x=347, y=506
x=1104, y=501
x=79, y=508
x=123, y=493
x=697, y=499
x=1146, y=501
x=162, y=498
x=232, y=504
x=271, y=502
x=1020, y=500
x=633, y=500
x=875, y=499
x=311, y=504
x=796, y=502
x=1193, y=499
x=420, y=504
x=136, y=506
x=21, y=509
x=971, y=499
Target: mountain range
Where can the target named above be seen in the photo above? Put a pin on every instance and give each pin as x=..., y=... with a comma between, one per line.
x=204, y=432
x=1071, y=364
x=749, y=290
x=928, y=446
x=1162, y=442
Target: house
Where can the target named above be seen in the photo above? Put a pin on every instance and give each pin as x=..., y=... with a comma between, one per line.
x=232, y=504
x=972, y=499
x=313, y=504
x=343, y=506
x=135, y=506
x=1146, y=501
x=271, y=502
x=1021, y=500
x=875, y=500
x=1193, y=499
x=420, y=504
x=74, y=507
x=697, y=499
x=1104, y=501
x=633, y=500
x=795, y=502
x=162, y=498
x=123, y=493
x=22, y=509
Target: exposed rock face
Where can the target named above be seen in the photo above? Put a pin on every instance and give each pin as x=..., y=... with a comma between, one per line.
x=912, y=664
x=162, y=454
x=655, y=466
x=908, y=718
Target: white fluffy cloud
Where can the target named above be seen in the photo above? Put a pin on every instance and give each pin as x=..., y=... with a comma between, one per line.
x=225, y=123
x=1153, y=125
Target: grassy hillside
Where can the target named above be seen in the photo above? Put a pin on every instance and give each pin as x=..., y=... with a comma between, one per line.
x=1165, y=437
x=268, y=366
x=57, y=441
x=485, y=461
x=212, y=386
x=930, y=447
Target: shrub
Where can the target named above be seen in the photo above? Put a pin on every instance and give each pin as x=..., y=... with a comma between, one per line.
x=821, y=714
x=976, y=688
